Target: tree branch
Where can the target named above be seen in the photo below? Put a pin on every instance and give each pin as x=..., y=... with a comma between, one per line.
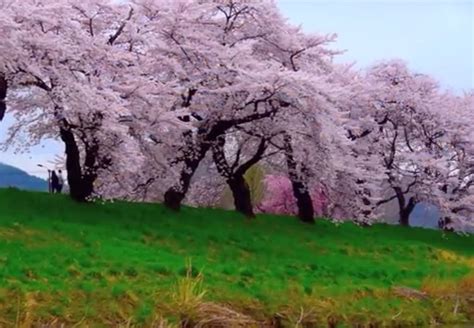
x=120, y=29
x=255, y=158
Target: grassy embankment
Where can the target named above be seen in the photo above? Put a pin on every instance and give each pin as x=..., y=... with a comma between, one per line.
x=128, y=264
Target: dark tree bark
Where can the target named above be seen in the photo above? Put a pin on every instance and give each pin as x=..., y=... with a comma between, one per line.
x=3, y=95
x=91, y=167
x=235, y=174
x=300, y=189
x=73, y=165
x=81, y=184
x=405, y=209
x=195, y=151
x=444, y=224
x=81, y=178
x=192, y=154
x=241, y=193
x=404, y=218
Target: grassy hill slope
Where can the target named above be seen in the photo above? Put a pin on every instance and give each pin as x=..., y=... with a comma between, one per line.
x=140, y=264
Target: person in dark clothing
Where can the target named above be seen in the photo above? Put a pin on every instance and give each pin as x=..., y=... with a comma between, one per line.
x=54, y=182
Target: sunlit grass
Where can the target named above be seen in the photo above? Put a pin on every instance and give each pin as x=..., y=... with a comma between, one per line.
x=128, y=264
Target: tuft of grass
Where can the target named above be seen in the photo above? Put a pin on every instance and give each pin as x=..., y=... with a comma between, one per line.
x=188, y=296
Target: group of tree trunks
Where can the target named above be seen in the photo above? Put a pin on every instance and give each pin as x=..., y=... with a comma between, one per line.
x=212, y=136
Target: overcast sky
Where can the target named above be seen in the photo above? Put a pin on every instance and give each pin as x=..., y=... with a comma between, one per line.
x=434, y=37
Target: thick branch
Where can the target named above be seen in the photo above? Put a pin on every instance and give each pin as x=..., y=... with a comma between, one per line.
x=354, y=137
x=386, y=200
x=255, y=158
x=220, y=160
x=120, y=29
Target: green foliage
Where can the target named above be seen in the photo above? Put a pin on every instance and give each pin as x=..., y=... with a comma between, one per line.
x=126, y=263
x=226, y=201
x=254, y=177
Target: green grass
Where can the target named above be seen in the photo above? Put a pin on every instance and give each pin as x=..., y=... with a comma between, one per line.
x=120, y=263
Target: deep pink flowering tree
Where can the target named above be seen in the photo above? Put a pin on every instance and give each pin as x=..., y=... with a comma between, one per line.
x=279, y=198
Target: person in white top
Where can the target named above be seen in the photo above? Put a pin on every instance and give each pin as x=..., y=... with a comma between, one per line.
x=60, y=182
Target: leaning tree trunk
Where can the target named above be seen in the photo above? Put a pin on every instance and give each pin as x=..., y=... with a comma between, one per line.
x=194, y=153
x=241, y=193
x=3, y=95
x=175, y=195
x=235, y=174
x=300, y=189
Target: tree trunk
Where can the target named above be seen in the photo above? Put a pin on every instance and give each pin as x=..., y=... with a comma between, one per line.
x=91, y=165
x=303, y=201
x=73, y=165
x=300, y=190
x=235, y=174
x=404, y=209
x=444, y=224
x=3, y=95
x=173, y=198
x=175, y=195
x=404, y=219
x=81, y=185
x=194, y=153
x=241, y=193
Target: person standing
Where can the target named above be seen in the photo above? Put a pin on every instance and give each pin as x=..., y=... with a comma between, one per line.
x=54, y=181
x=50, y=187
x=60, y=182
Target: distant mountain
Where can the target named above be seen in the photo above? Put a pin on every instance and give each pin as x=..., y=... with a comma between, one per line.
x=11, y=176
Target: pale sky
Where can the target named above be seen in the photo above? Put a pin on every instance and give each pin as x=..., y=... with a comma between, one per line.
x=434, y=37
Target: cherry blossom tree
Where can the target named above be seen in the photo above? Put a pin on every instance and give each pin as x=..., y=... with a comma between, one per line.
x=55, y=83
x=77, y=69
x=456, y=198
x=241, y=38
x=293, y=90
x=406, y=135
